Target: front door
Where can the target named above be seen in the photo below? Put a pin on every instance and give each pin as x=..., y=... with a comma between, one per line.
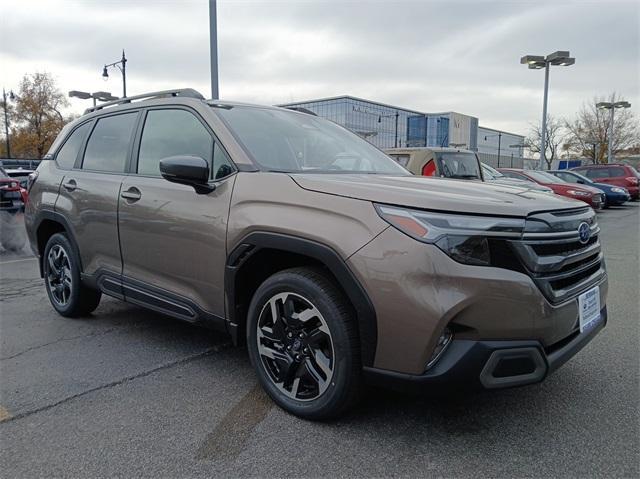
x=173, y=239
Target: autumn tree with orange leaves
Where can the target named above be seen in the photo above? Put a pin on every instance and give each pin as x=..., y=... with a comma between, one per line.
x=36, y=116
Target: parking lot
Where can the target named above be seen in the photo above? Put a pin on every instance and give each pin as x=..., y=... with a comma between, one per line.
x=129, y=392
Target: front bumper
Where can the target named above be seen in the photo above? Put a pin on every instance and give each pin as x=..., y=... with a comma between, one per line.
x=468, y=364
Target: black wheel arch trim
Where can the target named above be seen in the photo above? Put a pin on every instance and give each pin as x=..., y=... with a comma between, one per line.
x=58, y=218
x=259, y=240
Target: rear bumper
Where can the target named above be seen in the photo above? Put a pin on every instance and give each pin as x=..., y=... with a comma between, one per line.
x=468, y=364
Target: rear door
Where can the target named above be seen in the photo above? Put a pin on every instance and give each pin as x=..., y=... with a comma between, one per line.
x=90, y=190
x=173, y=239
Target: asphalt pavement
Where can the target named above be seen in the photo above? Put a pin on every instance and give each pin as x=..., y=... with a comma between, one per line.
x=128, y=392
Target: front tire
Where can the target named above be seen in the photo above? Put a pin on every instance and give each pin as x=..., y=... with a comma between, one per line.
x=61, y=267
x=303, y=342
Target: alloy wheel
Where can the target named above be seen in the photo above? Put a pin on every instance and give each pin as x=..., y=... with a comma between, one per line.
x=295, y=346
x=59, y=275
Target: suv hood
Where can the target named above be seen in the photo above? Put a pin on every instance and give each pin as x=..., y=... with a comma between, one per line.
x=440, y=194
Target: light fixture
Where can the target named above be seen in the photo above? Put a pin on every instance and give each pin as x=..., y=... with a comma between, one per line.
x=536, y=62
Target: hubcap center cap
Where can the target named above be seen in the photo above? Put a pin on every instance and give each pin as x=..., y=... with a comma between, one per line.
x=297, y=344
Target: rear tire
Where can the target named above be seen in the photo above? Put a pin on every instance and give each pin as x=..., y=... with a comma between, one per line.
x=61, y=267
x=302, y=339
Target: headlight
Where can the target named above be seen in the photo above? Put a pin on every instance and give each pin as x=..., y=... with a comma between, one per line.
x=464, y=238
x=619, y=190
x=578, y=193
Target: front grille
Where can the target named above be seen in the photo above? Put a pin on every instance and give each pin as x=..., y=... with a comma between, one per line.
x=554, y=256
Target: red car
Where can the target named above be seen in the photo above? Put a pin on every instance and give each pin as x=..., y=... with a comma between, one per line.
x=592, y=196
x=615, y=174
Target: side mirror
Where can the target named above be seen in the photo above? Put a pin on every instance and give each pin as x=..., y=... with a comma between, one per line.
x=580, y=181
x=187, y=170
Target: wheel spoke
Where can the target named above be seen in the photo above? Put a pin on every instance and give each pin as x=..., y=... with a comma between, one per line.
x=311, y=369
x=305, y=315
x=52, y=264
x=323, y=362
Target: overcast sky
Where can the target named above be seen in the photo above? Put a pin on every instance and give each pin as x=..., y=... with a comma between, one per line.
x=423, y=55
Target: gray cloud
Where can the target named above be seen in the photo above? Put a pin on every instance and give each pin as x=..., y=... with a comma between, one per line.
x=430, y=56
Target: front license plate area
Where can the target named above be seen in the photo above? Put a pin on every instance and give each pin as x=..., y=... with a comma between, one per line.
x=589, y=308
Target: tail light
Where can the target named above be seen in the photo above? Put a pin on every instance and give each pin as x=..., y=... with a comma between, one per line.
x=10, y=185
x=31, y=179
x=632, y=180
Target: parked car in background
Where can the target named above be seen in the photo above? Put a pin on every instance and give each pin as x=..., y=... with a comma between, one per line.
x=592, y=196
x=12, y=194
x=19, y=168
x=615, y=174
x=614, y=195
x=440, y=162
x=491, y=174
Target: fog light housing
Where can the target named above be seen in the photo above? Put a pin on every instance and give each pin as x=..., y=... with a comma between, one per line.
x=441, y=345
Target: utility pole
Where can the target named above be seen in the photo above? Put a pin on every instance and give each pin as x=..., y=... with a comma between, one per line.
x=543, y=134
x=6, y=123
x=213, y=49
x=395, y=143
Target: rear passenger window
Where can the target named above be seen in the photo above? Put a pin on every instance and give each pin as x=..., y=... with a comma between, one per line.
x=171, y=133
x=615, y=172
x=108, y=144
x=66, y=157
x=597, y=173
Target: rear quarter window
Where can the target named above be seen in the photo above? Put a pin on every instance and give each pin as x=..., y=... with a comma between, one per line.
x=616, y=171
x=66, y=157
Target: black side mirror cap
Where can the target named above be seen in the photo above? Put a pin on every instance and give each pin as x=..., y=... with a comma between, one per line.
x=187, y=170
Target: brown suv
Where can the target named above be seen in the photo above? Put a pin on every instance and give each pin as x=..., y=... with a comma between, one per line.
x=333, y=263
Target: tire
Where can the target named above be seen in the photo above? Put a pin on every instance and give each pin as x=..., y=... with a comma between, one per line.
x=328, y=365
x=61, y=267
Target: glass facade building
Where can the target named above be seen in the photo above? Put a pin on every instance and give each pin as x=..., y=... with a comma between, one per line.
x=388, y=126
x=383, y=125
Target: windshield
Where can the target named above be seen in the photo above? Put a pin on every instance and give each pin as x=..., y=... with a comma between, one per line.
x=544, y=177
x=458, y=165
x=491, y=173
x=298, y=142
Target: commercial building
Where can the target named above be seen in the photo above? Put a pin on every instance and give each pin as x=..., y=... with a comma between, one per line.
x=388, y=126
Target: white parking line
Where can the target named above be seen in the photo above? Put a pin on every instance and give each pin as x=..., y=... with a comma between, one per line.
x=18, y=260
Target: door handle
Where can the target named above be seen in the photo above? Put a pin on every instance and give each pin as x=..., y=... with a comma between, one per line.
x=132, y=194
x=70, y=185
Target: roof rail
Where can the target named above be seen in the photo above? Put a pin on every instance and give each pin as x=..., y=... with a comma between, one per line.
x=183, y=92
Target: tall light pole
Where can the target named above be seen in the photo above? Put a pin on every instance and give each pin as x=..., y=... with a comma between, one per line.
x=396, y=115
x=606, y=105
x=499, y=135
x=122, y=66
x=6, y=121
x=536, y=62
x=519, y=146
x=213, y=49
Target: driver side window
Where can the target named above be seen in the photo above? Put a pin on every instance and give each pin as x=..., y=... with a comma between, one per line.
x=172, y=133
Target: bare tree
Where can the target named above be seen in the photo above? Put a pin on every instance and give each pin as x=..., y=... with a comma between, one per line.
x=588, y=134
x=553, y=139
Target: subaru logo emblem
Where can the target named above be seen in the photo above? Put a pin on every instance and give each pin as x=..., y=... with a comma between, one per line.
x=584, y=232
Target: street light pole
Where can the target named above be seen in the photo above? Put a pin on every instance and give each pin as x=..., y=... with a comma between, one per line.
x=499, y=135
x=122, y=66
x=6, y=123
x=395, y=142
x=536, y=62
x=606, y=105
x=543, y=133
x=213, y=49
